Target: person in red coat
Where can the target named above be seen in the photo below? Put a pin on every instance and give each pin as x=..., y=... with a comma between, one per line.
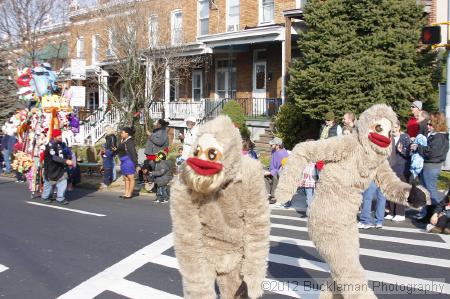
x=412, y=127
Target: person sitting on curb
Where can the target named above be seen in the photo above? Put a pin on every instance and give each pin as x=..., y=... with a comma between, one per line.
x=440, y=220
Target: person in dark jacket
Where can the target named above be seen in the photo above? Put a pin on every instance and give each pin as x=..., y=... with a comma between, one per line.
x=157, y=141
x=111, y=142
x=434, y=154
x=162, y=174
x=330, y=128
x=55, y=161
x=399, y=161
x=108, y=163
x=440, y=220
x=128, y=160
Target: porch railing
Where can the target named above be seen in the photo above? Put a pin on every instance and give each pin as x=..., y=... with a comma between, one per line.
x=260, y=107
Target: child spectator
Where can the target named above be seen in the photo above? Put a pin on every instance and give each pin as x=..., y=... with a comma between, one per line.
x=307, y=183
x=162, y=176
x=179, y=159
x=146, y=176
x=440, y=220
x=108, y=162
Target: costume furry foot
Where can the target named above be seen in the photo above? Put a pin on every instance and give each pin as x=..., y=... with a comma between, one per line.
x=220, y=216
x=352, y=162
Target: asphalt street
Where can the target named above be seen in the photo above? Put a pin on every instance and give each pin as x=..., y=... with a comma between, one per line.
x=100, y=246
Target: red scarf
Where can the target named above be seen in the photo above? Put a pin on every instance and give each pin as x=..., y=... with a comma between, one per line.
x=203, y=167
x=380, y=140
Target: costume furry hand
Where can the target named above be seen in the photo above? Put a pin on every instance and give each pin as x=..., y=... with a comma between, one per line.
x=418, y=197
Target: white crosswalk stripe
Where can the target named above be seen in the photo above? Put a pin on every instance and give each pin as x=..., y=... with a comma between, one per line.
x=418, y=250
x=3, y=268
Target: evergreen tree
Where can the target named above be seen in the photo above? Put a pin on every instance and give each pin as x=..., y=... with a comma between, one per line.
x=356, y=53
x=8, y=98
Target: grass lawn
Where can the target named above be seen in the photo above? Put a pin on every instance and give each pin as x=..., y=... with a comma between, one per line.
x=444, y=180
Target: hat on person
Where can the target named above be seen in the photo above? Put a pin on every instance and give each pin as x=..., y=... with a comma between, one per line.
x=56, y=133
x=276, y=141
x=417, y=104
x=191, y=119
x=329, y=115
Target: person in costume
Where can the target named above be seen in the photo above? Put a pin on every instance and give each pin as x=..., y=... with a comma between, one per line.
x=352, y=162
x=220, y=216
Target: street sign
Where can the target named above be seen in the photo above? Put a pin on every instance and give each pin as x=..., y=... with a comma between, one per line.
x=78, y=69
x=78, y=96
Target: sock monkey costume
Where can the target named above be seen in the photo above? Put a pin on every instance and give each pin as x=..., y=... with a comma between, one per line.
x=220, y=217
x=352, y=162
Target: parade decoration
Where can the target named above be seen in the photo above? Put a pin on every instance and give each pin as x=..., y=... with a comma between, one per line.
x=47, y=112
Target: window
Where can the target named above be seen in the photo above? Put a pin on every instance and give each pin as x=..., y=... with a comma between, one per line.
x=233, y=12
x=197, y=85
x=153, y=31
x=110, y=51
x=174, y=90
x=267, y=11
x=301, y=3
x=95, y=46
x=93, y=100
x=203, y=17
x=177, y=27
x=80, y=47
x=226, y=83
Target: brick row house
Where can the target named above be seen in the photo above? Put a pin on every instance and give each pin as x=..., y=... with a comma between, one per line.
x=245, y=46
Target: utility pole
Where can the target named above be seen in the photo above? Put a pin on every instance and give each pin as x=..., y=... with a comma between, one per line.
x=447, y=86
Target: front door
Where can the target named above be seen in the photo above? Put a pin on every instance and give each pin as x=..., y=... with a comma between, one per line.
x=259, y=87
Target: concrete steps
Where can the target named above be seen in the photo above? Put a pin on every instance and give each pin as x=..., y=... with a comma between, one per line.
x=262, y=144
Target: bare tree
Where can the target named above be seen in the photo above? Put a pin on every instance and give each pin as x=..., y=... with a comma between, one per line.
x=138, y=40
x=25, y=27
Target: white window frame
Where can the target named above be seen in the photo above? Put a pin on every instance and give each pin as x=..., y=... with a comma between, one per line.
x=198, y=72
x=172, y=27
x=227, y=69
x=261, y=13
x=228, y=17
x=199, y=19
x=95, y=49
x=80, y=47
x=300, y=3
x=153, y=28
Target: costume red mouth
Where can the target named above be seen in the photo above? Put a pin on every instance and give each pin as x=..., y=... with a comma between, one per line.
x=380, y=140
x=203, y=167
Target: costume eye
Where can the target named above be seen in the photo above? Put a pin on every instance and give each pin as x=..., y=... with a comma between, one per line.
x=212, y=154
x=378, y=128
x=197, y=151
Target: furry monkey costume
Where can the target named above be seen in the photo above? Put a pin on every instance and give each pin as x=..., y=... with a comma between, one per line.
x=352, y=162
x=220, y=217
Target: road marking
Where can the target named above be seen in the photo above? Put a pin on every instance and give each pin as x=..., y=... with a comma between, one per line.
x=172, y=262
x=3, y=268
x=375, y=237
x=371, y=275
x=65, y=209
x=390, y=228
x=135, y=290
x=374, y=253
x=107, y=279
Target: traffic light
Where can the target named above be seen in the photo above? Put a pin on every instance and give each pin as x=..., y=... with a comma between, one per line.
x=431, y=35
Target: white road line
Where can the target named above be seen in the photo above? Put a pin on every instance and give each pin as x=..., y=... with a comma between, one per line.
x=106, y=279
x=135, y=290
x=65, y=209
x=171, y=262
x=417, y=259
x=390, y=228
x=375, y=237
x=3, y=268
x=371, y=275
